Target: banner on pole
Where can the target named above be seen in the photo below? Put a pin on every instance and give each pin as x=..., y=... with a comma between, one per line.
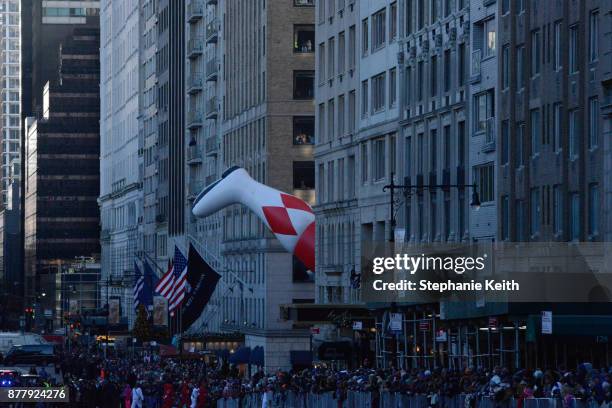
x=114, y=311
x=160, y=311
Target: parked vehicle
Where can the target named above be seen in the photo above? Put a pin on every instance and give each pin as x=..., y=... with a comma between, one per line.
x=10, y=339
x=33, y=354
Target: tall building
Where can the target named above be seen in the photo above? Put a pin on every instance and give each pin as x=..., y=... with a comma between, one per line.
x=10, y=88
x=44, y=26
x=120, y=199
x=62, y=172
x=554, y=68
x=251, y=106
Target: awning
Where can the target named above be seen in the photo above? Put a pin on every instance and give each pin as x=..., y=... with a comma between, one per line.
x=257, y=356
x=301, y=357
x=335, y=350
x=571, y=325
x=241, y=356
x=167, y=351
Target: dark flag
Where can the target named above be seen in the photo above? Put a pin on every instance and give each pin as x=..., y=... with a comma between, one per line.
x=201, y=283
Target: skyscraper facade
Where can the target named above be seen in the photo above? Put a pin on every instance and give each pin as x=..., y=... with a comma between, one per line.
x=10, y=90
x=120, y=100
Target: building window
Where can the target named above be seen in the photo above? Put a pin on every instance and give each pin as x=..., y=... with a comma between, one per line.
x=593, y=35
x=447, y=70
x=536, y=127
x=505, y=216
x=378, y=159
x=593, y=122
x=558, y=210
x=303, y=38
x=303, y=84
x=322, y=63
x=341, y=115
x=536, y=212
x=321, y=7
x=505, y=68
x=331, y=60
x=433, y=76
x=352, y=112
x=520, y=145
x=433, y=150
x=484, y=177
x=378, y=92
x=364, y=98
x=341, y=52
x=505, y=142
x=364, y=36
x=594, y=206
x=420, y=80
x=352, y=46
x=393, y=21
x=557, y=127
x=574, y=217
x=364, y=163
x=574, y=134
x=489, y=37
x=519, y=209
x=321, y=126
x=321, y=184
x=303, y=175
x=379, y=29
x=573, y=48
x=447, y=147
x=535, y=52
x=303, y=130
x=484, y=109
x=462, y=66
x=557, y=46
x=520, y=6
x=392, y=87
x=505, y=6
x=331, y=123
x=520, y=67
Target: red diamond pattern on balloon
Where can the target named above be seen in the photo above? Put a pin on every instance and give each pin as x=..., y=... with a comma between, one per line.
x=279, y=220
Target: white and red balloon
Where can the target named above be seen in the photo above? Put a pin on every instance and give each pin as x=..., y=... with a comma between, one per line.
x=288, y=217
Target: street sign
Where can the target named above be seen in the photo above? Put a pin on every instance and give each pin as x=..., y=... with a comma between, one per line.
x=492, y=322
x=441, y=336
x=315, y=330
x=424, y=326
x=48, y=313
x=546, y=322
x=358, y=325
x=395, y=322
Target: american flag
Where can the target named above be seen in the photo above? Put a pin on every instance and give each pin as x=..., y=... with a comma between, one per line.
x=139, y=282
x=166, y=283
x=180, y=277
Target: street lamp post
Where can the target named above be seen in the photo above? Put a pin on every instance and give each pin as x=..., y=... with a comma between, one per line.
x=407, y=188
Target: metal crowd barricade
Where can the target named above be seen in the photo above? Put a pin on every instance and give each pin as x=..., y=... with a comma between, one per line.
x=359, y=399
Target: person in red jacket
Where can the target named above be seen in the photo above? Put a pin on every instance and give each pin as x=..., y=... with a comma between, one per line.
x=185, y=394
x=203, y=396
x=168, y=397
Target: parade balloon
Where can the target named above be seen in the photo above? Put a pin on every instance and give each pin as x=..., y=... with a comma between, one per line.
x=288, y=217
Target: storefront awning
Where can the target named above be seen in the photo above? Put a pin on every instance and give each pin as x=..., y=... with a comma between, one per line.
x=301, y=357
x=335, y=350
x=257, y=356
x=241, y=356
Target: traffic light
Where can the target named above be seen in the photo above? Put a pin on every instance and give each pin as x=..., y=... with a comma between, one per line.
x=29, y=318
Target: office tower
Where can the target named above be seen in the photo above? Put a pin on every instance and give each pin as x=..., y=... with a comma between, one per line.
x=62, y=173
x=249, y=110
x=554, y=83
x=122, y=73
x=10, y=85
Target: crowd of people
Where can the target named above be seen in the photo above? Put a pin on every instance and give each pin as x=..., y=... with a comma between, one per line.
x=148, y=381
